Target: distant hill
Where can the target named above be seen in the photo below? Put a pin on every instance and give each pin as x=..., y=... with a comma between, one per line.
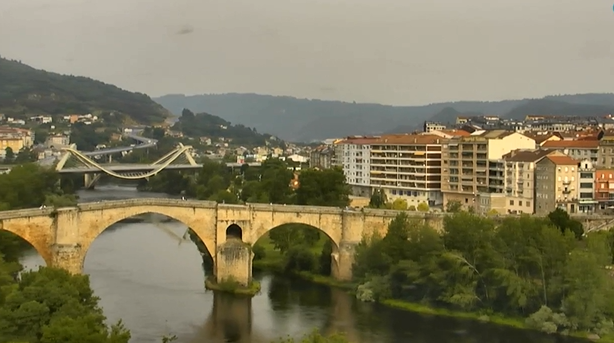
x=26, y=91
x=207, y=125
x=295, y=119
x=548, y=106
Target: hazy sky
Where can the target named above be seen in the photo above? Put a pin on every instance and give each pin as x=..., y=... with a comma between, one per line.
x=387, y=51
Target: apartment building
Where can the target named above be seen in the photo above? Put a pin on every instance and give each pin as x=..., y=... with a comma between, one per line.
x=586, y=187
x=473, y=164
x=605, y=156
x=604, y=188
x=322, y=157
x=520, y=179
x=15, y=138
x=408, y=167
x=555, y=184
x=354, y=155
x=576, y=149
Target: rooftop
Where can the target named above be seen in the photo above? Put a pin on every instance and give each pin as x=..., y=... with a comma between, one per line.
x=587, y=144
x=562, y=160
x=409, y=139
x=526, y=155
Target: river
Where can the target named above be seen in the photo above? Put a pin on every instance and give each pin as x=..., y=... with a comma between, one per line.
x=153, y=280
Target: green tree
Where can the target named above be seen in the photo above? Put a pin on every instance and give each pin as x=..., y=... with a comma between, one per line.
x=423, y=207
x=399, y=204
x=49, y=306
x=561, y=219
x=323, y=187
x=453, y=206
x=9, y=155
x=378, y=199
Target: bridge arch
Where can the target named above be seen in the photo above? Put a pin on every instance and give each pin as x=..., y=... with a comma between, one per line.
x=35, y=234
x=328, y=222
x=202, y=227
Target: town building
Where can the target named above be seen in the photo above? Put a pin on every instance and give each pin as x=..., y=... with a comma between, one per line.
x=430, y=126
x=520, y=179
x=473, y=164
x=576, y=149
x=605, y=156
x=604, y=189
x=322, y=157
x=586, y=187
x=57, y=141
x=15, y=138
x=556, y=184
x=408, y=167
x=354, y=155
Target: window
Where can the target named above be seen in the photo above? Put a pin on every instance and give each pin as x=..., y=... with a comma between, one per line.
x=586, y=175
x=511, y=202
x=520, y=203
x=586, y=185
x=528, y=204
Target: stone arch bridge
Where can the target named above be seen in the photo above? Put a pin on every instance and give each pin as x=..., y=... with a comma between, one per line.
x=63, y=236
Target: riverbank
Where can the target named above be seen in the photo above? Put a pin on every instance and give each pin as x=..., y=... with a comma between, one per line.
x=232, y=287
x=273, y=261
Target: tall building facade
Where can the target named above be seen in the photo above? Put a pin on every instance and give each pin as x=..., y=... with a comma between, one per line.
x=408, y=167
x=354, y=155
x=473, y=165
x=556, y=184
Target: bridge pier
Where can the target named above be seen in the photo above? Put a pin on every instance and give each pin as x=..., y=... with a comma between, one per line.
x=342, y=261
x=234, y=262
x=69, y=257
x=90, y=180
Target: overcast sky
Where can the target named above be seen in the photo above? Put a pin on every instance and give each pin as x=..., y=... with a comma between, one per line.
x=386, y=51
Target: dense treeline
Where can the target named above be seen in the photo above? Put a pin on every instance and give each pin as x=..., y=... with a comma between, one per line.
x=207, y=125
x=26, y=91
x=542, y=269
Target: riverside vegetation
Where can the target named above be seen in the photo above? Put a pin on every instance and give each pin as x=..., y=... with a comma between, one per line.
x=529, y=272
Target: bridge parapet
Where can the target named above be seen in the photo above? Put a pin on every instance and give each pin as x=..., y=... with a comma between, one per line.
x=297, y=209
x=145, y=202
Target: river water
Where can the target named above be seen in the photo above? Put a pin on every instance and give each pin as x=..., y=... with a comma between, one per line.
x=148, y=276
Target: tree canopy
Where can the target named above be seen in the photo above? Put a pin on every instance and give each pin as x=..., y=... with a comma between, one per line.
x=532, y=267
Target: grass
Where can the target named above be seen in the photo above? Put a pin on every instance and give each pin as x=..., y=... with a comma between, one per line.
x=231, y=286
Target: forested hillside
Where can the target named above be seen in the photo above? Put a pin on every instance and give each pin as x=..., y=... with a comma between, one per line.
x=306, y=119
x=25, y=91
x=207, y=125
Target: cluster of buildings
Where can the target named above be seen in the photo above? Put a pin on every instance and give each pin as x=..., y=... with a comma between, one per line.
x=502, y=170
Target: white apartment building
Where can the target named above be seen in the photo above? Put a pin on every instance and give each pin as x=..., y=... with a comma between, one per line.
x=353, y=154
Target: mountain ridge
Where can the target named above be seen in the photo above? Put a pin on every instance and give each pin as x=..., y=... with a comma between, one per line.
x=27, y=91
x=295, y=119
